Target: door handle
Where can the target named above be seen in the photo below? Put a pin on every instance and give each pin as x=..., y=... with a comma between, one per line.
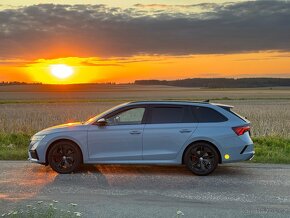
x=135, y=132
x=185, y=131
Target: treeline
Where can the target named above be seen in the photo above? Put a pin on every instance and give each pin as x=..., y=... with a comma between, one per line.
x=3, y=83
x=220, y=82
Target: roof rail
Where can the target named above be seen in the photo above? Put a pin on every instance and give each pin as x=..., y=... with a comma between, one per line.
x=207, y=101
x=170, y=101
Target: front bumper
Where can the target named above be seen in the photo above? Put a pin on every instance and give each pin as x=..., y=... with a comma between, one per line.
x=36, y=155
x=33, y=154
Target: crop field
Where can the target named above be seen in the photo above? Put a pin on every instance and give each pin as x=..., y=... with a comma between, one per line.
x=101, y=93
x=26, y=109
x=267, y=119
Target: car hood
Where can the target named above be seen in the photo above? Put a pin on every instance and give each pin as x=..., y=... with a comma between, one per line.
x=62, y=128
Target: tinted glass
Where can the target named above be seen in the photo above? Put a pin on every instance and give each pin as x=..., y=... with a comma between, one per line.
x=234, y=113
x=167, y=115
x=128, y=117
x=207, y=115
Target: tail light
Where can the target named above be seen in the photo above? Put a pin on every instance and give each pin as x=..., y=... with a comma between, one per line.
x=240, y=130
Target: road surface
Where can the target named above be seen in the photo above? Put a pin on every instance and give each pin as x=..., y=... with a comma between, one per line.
x=234, y=190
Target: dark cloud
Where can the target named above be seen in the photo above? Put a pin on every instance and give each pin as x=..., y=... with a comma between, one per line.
x=201, y=5
x=51, y=31
x=19, y=63
x=93, y=64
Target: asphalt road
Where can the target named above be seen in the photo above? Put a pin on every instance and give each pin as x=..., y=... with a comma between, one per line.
x=235, y=190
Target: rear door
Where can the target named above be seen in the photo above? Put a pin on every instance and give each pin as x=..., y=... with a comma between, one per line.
x=168, y=128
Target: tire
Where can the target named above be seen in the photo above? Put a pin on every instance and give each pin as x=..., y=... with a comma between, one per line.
x=201, y=158
x=64, y=157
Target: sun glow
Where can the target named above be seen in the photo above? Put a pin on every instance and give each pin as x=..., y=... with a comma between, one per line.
x=61, y=71
x=123, y=70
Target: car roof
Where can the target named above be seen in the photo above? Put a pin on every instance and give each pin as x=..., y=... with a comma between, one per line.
x=178, y=102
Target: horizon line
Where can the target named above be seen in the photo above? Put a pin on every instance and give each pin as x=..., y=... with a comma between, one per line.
x=133, y=82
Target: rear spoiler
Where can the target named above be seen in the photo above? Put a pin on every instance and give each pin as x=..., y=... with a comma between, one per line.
x=225, y=106
x=228, y=108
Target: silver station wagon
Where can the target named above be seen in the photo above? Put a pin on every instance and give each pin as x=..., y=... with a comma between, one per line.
x=200, y=135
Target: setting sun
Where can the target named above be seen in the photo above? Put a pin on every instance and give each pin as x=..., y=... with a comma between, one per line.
x=61, y=71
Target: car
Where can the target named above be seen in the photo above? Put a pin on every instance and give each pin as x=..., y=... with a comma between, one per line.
x=200, y=135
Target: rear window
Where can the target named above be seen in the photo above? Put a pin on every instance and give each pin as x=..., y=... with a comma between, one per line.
x=234, y=113
x=207, y=115
x=167, y=115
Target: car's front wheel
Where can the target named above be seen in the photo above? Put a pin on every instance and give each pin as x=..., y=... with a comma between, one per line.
x=201, y=158
x=64, y=157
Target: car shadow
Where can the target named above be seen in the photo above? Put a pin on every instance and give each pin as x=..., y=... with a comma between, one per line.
x=135, y=169
x=136, y=177
x=169, y=170
x=229, y=170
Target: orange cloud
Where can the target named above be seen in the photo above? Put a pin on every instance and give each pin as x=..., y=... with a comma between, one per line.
x=128, y=69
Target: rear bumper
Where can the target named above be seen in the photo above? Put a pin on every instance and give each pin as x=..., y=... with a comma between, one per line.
x=239, y=153
x=252, y=156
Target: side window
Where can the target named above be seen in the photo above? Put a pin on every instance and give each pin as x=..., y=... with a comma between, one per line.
x=207, y=115
x=129, y=117
x=168, y=114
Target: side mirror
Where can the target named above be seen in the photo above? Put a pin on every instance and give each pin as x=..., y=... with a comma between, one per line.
x=101, y=122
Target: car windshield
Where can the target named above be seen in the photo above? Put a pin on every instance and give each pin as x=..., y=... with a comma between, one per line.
x=95, y=118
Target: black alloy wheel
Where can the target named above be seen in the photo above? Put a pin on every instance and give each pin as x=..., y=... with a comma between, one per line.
x=64, y=157
x=201, y=158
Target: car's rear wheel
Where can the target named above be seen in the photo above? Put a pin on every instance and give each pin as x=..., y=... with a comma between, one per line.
x=64, y=157
x=201, y=158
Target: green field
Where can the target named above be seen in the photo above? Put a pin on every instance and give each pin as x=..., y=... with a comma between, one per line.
x=26, y=109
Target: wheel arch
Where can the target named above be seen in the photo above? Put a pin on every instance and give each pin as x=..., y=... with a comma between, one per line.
x=204, y=141
x=59, y=140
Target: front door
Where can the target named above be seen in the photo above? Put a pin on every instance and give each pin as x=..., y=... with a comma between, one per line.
x=120, y=139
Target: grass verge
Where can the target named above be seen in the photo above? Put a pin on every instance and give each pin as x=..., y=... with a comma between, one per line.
x=14, y=146
x=272, y=149
x=269, y=149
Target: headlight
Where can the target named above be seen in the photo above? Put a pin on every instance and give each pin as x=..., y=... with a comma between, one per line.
x=34, y=141
x=37, y=138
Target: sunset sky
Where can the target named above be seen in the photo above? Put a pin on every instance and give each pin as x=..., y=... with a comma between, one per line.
x=121, y=41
